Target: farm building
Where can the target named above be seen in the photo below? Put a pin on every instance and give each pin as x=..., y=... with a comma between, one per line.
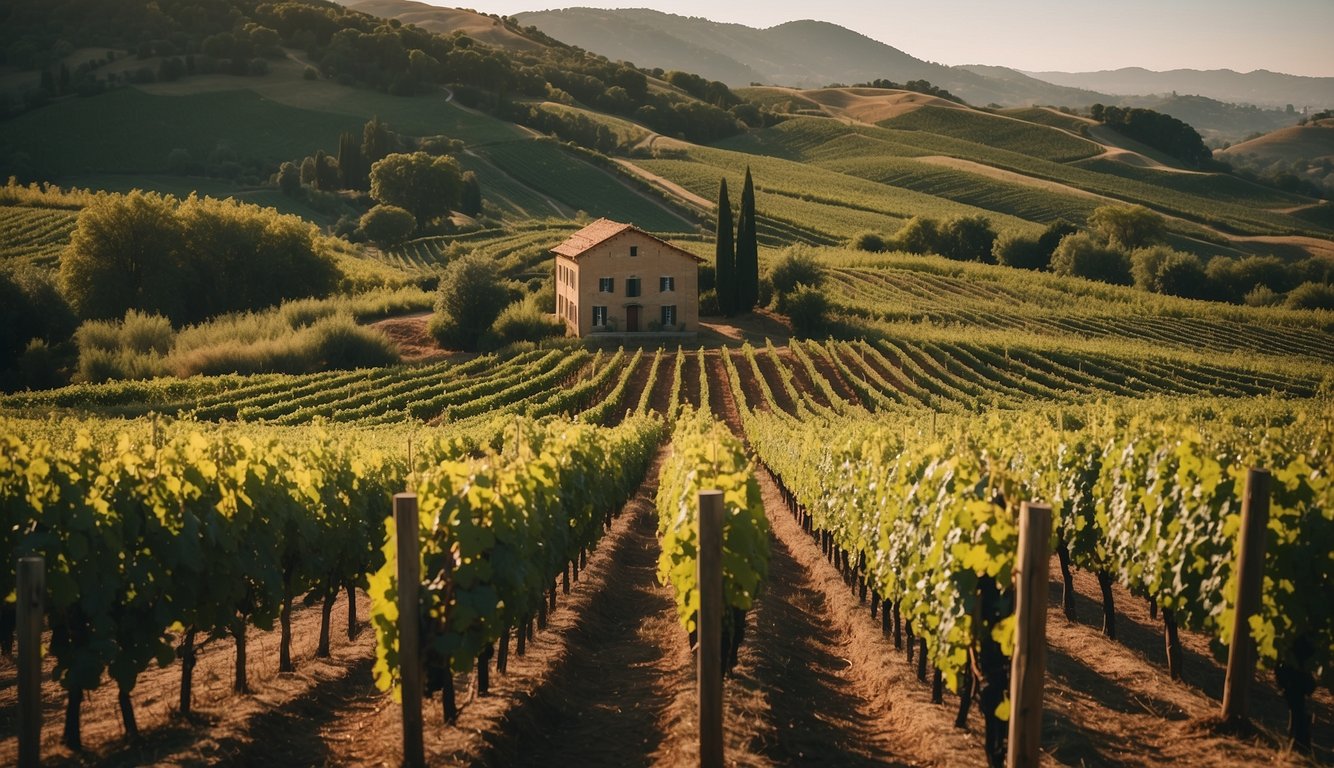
x=616, y=278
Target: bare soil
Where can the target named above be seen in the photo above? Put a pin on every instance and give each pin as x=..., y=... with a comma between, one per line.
x=409, y=332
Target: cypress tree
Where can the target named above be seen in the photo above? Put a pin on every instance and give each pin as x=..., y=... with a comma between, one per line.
x=747, y=273
x=724, y=256
x=376, y=141
x=350, y=167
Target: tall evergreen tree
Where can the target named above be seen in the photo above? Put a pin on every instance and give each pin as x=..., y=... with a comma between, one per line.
x=747, y=274
x=376, y=141
x=725, y=256
x=353, y=171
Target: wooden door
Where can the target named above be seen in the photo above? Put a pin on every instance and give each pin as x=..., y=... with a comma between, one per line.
x=632, y=319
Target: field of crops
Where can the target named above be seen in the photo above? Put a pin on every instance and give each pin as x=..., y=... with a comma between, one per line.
x=1242, y=206
x=34, y=235
x=547, y=168
x=1014, y=134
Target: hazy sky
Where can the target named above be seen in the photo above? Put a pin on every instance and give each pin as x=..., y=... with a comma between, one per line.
x=1292, y=36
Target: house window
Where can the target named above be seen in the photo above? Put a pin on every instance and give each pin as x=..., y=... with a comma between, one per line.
x=599, y=317
x=607, y=285
x=634, y=250
x=632, y=286
x=668, y=315
x=666, y=284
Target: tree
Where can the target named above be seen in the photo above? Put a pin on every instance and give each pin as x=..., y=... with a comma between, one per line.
x=920, y=235
x=125, y=252
x=967, y=238
x=747, y=251
x=470, y=200
x=796, y=266
x=351, y=168
x=1083, y=255
x=424, y=185
x=289, y=179
x=376, y=141
x=471, y=298
x=1015, y=250
x=326, y=172
x=387, y=224
x=724, y=255
x=1128, y=226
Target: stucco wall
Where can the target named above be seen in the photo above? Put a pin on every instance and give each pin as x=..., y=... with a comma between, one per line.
x=612, y=259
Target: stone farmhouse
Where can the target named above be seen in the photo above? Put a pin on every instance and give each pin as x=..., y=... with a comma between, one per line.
x=616, y=278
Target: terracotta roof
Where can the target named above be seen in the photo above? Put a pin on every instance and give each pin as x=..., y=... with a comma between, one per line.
x=601, y=231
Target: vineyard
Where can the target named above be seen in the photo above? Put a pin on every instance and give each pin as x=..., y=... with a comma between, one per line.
x=884, y=470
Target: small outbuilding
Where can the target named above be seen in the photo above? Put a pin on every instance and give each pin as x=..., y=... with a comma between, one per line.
x=616, y=278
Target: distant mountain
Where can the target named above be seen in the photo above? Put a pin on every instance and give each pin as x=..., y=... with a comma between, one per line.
x=1261, y=87
x=804, y=54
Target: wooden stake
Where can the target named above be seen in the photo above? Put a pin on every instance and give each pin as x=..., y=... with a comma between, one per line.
x=1250, y=579
x=1030, y=648
x=710, y=628
x=31, y=596
x=409, y=644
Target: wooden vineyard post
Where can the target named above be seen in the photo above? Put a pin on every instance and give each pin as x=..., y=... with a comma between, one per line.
x=409, y=644
x=1250, y=579
x=31, y=596
x=710, y=629
x=1030, y=647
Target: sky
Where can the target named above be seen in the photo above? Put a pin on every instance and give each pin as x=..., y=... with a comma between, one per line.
x=1290, y=36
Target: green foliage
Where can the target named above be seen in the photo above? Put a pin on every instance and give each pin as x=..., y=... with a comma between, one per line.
x=1083, y=255
x=921, y=234
x=747, y=250
x=1160, y=131
x=1128, y=227
x=188, y=259
x=796, y=265
x=1311, y=296
x=495, y=532
x=869, y=241
x=705, y=455
x=426, y=186
x=471, y=298
x=145, y=531
x=1163, y=270
x=388, y=225
x=967, y=238
x=1013, y=249
x=807, y=309
x=724, y=259
x=525, y=321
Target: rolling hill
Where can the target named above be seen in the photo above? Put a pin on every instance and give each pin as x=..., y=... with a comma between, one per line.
x=1311, y=142
x=799, y=53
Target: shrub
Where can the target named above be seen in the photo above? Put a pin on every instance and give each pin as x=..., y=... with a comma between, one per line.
x=1082, y=255
x=868, y=241
x=967, y=238
x=524, y=321
x=1128, y=226
x=1311, y=296
x=471, y=297
x=388, y=224
x=1162, y=270
x=807, y=309
x=708, y=304
x=1015, y=250
x=796, y=266
x=920, y=235
x=1263, y=296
